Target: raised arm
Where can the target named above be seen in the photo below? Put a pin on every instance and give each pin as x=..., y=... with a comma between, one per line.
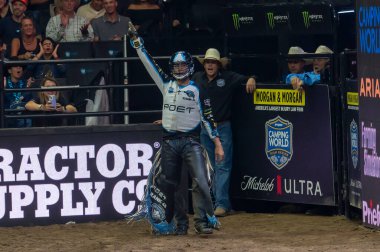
x=157, y=74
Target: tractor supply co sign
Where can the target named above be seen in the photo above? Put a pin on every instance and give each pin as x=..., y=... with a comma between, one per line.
x=84, y=177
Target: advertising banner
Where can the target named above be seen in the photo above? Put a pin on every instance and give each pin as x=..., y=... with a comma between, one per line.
x=75, y=175
x=352, y=140
x=368, y=46
x=283, y=145
x=271, y=19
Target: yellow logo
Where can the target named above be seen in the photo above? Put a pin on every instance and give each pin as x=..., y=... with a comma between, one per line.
x=282, y=97
x=353, y=98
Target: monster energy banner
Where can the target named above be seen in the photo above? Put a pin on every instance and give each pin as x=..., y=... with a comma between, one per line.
x=259, y=19
x=351, y=140
x=368, y=30
x=283, y=145
x=74, y=174
x=312, y=19
x=245, y=21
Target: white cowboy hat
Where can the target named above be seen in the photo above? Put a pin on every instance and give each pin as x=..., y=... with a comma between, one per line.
x=322, y=49
x=213, y=54
x=296, y=50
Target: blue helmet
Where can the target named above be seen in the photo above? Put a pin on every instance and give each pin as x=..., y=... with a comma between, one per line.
x=181, y=57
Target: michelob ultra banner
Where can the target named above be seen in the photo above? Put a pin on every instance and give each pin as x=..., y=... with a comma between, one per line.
x=82, y=174
x=283, y=145
x=368, y=54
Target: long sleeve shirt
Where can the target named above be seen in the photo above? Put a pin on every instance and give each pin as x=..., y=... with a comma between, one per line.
x=71, y=32
x=185, y=106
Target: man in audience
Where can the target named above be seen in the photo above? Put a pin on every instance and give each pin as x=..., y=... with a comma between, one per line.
x=10, y=26
x=68, y=26
x=111, y=26
x=92, y=10
x=314, y=77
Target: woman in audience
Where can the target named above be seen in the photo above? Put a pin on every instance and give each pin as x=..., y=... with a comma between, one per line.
x=27, y=46
x=49, y=102
x=5, y=10
x=48, y=51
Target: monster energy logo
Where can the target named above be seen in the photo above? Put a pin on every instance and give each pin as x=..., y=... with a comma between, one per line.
x=235, y=18
x=270, y=19
x=306, y=19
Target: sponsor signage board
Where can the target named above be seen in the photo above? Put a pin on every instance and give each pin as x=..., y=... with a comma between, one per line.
x=71, y=175
x=352, y=141
x=368, y=53
x=263, y=19
x=283, y=145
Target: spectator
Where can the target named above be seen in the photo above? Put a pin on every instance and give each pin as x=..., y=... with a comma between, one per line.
x=49, y=102
x=111, y=26
x=68, y=26
x=10, y=26
x=5, y=9
x=40, y=11
x=296, y=65
x=27, y=46
x=220, y=85
x=92, y=10
x=146, y=16
x=16, y=100
x=48, y=51
x=320, y=65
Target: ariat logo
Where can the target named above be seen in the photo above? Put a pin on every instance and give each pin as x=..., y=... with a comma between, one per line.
x=235, y=18
x=270, y=17
x=306, y=19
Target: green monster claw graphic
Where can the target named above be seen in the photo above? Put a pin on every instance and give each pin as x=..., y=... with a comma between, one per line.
x=270, y=17
x=235, y=18
x=306, y=19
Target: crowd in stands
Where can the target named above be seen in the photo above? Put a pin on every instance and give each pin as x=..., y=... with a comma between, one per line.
x=33, y=30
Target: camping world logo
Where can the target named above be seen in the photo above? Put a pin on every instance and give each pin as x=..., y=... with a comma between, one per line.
x=354, y=143
x=279, y=141
x=306, y=19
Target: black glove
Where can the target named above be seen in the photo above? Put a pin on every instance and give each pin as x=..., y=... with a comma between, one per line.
x=132, y=33
x=84, y=30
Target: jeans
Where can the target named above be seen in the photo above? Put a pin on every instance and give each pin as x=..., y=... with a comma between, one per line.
x=222, y=169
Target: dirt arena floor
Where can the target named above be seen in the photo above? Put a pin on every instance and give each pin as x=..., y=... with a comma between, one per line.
x=240, y=232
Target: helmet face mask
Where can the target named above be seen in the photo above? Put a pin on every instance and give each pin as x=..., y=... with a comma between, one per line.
x=181, y=65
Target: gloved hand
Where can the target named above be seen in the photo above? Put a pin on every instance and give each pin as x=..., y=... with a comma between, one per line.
x=132, y=33
x=136, y=42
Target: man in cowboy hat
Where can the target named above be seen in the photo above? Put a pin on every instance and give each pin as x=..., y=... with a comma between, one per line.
x=295, y=64
x=314, y=77
x=220, y=84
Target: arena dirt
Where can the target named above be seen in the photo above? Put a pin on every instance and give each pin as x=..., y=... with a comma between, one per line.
x=240, y=232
